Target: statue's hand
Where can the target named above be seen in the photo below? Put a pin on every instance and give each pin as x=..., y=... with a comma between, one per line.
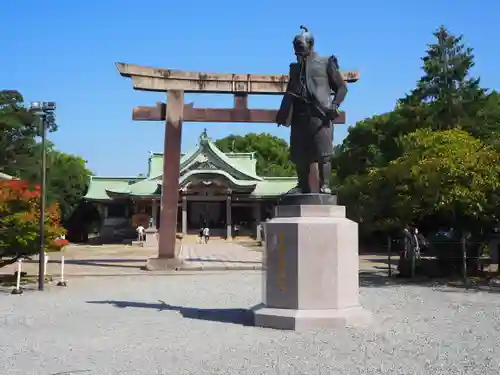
x=281, y=120
x=333, y=113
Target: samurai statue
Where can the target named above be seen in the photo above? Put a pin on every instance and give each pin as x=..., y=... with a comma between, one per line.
x=309, y=109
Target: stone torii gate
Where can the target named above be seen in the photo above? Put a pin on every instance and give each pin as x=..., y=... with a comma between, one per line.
x=175, y=83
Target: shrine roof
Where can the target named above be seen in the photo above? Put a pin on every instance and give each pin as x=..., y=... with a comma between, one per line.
x=213, y=174
x=144, y=188
x=107, y=188
x=99, y=186
x=240, y=165
x=205, y=163
x=274, y=186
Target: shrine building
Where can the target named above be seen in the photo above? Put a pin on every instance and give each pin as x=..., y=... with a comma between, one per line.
x=220, y=189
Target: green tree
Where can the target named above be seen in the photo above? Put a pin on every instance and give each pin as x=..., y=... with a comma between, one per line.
x=485, y=124
x=17, y=133
x=365, y=146
x=448, y=176
x=446, y=97
x=67, y=178
x=20, y=155
x=272, y=152
x=453, y=95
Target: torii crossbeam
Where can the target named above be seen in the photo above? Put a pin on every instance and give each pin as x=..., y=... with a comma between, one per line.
x=239, y=113
x=175, y=112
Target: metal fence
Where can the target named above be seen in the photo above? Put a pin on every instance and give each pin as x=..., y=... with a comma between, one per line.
x=463, y=258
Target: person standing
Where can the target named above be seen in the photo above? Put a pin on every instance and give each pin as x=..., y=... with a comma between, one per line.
x=140, y=233
x=413, y=242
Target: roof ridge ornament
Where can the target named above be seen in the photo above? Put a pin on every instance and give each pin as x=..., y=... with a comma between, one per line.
x=204, y=138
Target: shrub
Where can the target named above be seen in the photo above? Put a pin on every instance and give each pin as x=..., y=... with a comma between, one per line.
x=19, y=222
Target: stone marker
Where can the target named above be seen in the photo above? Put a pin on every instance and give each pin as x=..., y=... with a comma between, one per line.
x=311, y=261
x=151, y=237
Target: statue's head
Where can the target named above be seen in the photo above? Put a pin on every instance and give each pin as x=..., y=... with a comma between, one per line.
x=303, y=43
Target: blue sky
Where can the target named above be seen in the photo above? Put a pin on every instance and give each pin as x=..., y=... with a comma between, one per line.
x=65, y=51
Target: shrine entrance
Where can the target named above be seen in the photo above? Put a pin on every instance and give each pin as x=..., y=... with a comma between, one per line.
x=175, y=83
x=206, y=213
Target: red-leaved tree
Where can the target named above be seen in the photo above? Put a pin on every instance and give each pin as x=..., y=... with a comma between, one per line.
x=19, y=222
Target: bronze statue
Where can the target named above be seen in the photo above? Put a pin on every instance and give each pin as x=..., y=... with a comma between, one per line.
x=307, y=107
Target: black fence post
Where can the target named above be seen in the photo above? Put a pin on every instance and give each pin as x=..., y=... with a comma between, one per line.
x=464, y=259
x=389, y=251
x=413, y=261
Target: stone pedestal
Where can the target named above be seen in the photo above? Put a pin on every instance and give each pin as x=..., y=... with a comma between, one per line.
x=164, y=264
x=311, y=277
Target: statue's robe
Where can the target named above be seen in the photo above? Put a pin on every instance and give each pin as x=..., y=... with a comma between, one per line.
x=307, y=104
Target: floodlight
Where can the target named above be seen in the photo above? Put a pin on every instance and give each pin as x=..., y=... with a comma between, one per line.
x=49, y=106
x=35, y=106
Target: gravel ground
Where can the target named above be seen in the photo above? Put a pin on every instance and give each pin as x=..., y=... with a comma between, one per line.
x=168, y=325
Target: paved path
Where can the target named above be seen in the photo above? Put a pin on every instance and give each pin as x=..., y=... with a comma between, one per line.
x=199, y=324
x=110, y=260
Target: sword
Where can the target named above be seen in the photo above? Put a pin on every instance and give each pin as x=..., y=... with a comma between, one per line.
x=329, y=113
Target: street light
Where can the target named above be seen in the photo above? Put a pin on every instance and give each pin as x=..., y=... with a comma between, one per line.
x=45, y=113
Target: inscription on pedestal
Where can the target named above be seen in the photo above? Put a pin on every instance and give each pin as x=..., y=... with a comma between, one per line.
x=281, y=262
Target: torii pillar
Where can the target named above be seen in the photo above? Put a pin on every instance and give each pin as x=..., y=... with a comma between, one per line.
x=175, y=83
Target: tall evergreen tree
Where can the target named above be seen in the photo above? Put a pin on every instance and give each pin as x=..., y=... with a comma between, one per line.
x=448, y=91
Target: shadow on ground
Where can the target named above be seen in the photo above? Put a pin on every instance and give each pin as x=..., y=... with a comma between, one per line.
x=113, y=263
x=98, y=241
x=139, y=262
x=245, y=317
x=234, y=316
x=101, y=262
x=251, y=245
x=208, y=260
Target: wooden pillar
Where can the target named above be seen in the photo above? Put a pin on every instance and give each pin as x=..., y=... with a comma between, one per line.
x=154, y=212
x=104, y=216
x=229, y=221
x=184, y=215
x=171, y=165
x=257, y=217
x=100, y=209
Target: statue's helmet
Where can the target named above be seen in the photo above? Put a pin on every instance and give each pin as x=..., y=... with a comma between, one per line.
x=303, y=43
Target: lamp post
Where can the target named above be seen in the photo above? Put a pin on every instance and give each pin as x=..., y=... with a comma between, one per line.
x=45, y=113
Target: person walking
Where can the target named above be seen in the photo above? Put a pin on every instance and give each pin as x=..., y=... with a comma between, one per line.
x=206, y=234
x=200, y=239
x=140, y=233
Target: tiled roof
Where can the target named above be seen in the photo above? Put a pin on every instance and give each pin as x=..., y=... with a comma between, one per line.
x=238, y=168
